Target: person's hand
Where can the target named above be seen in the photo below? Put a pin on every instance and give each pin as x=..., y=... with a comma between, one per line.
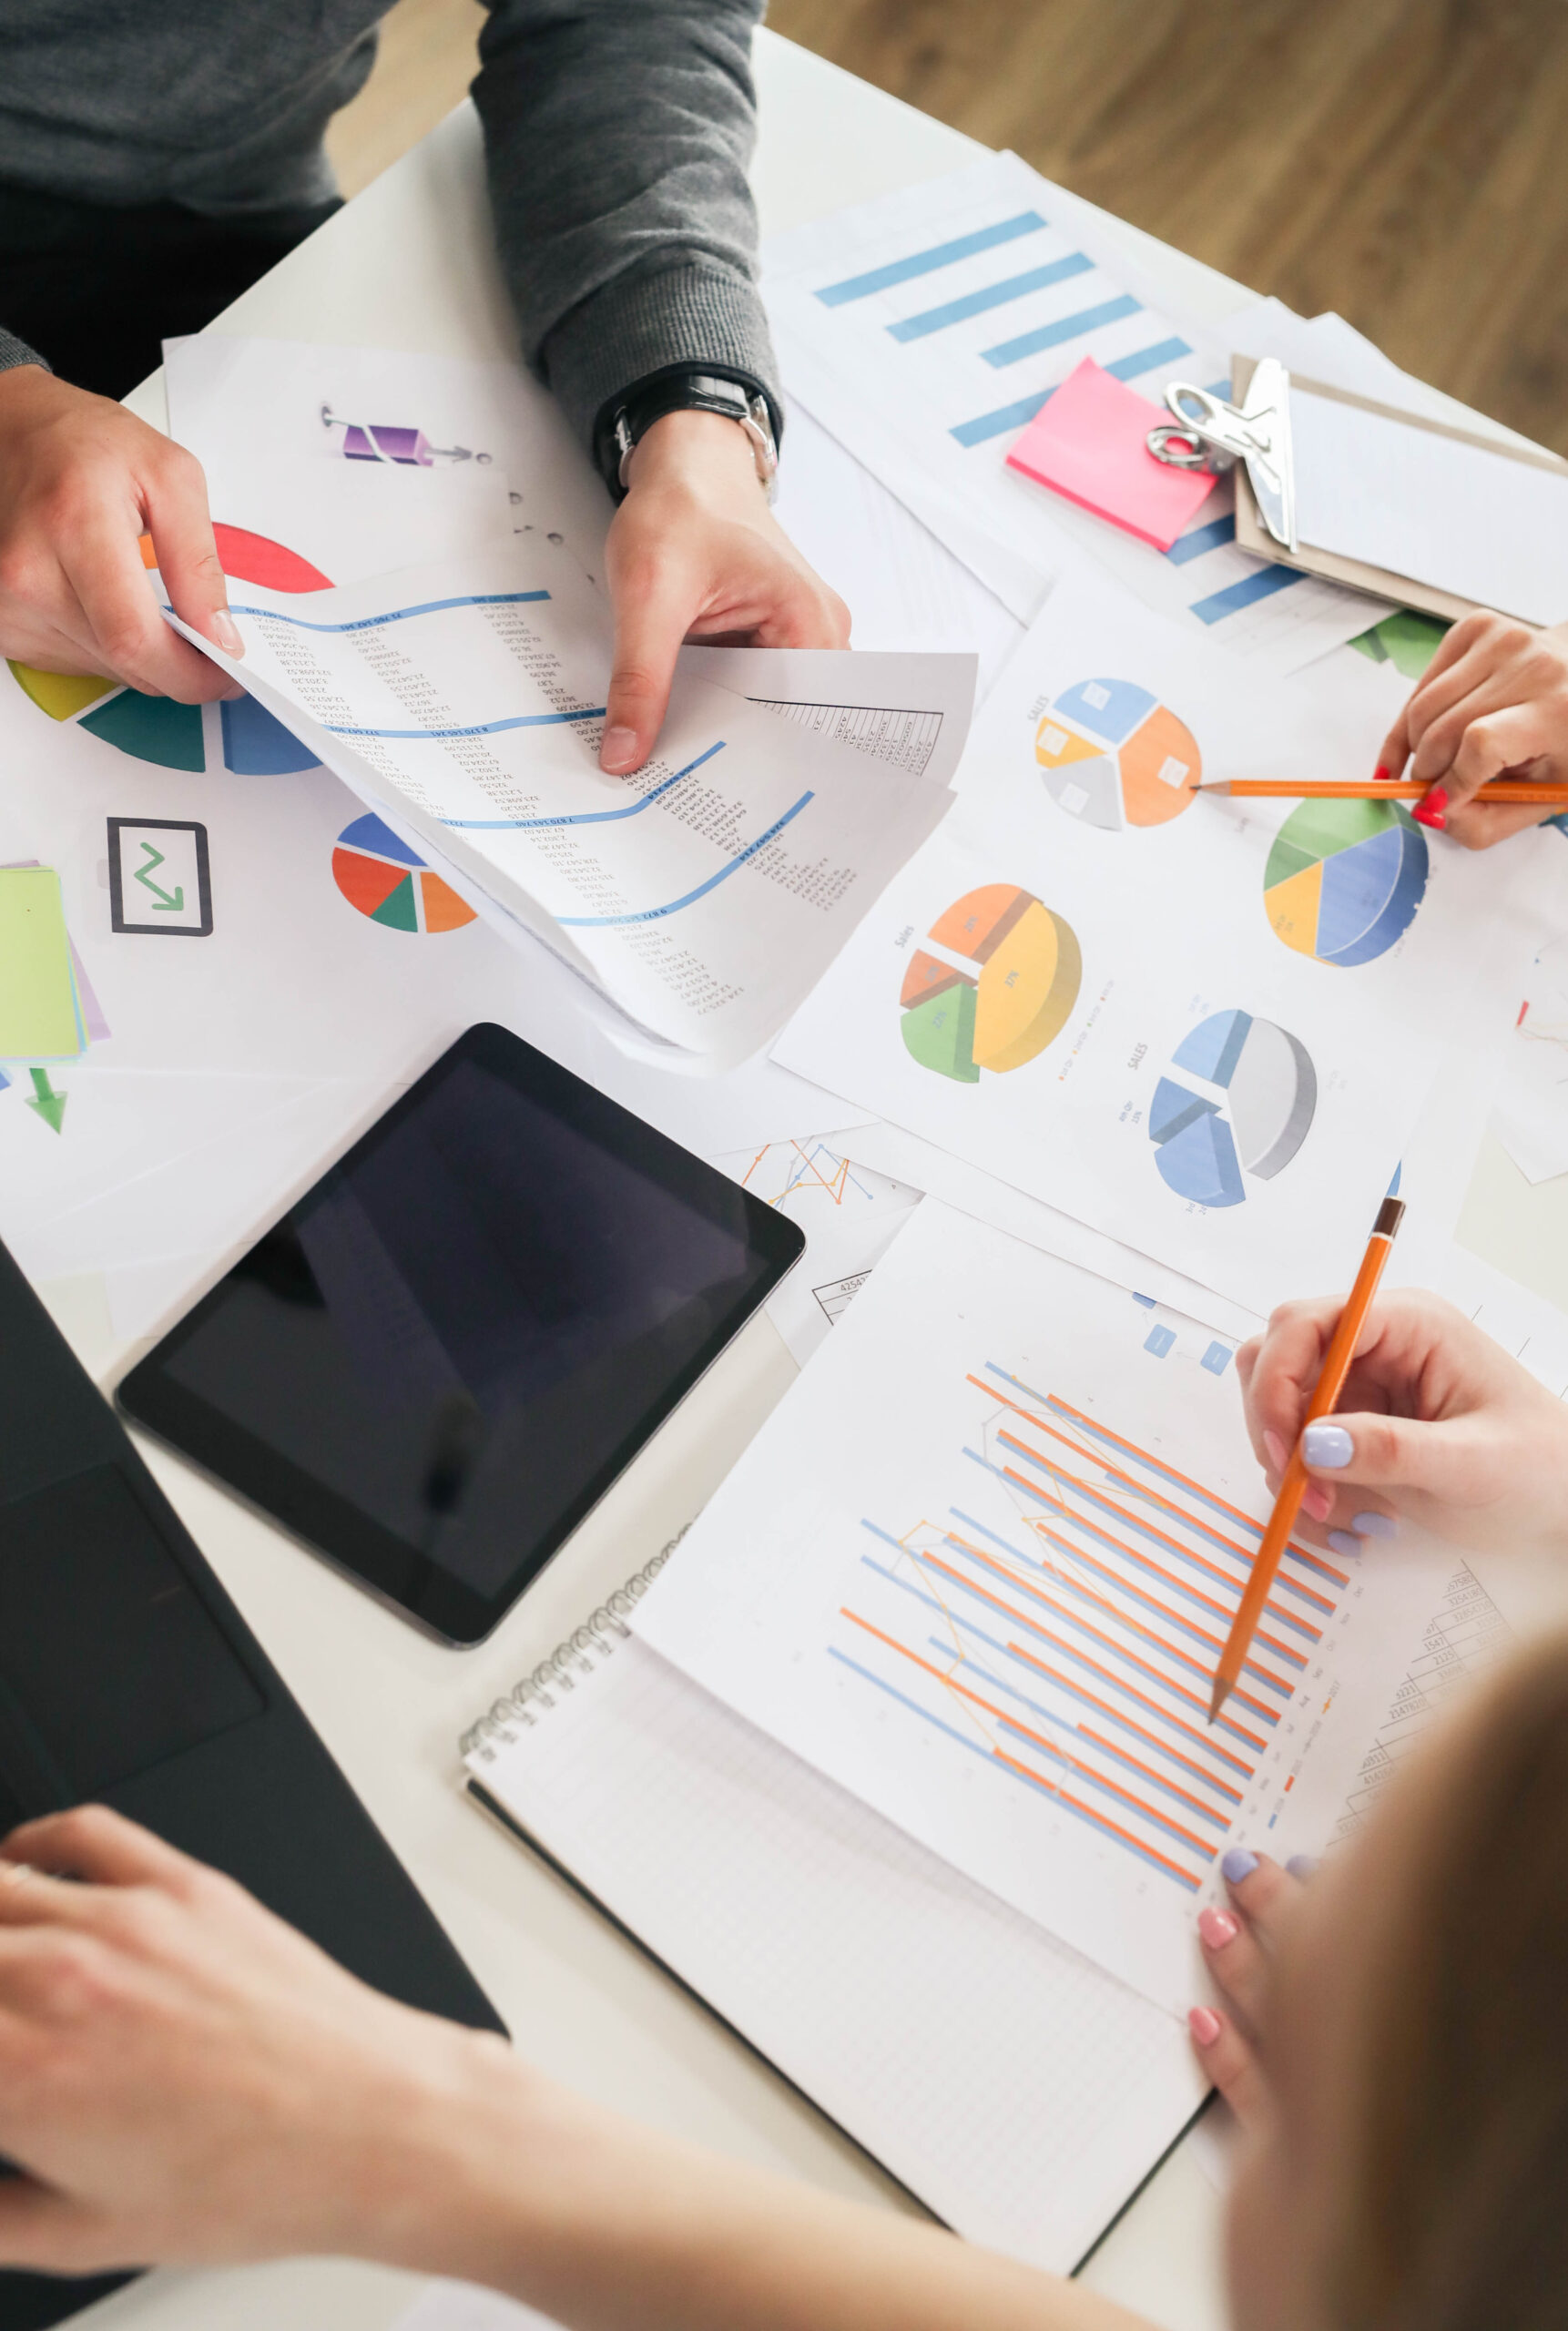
x=694, y=553
x=1239, y=1948
x=1493, y=702
x=183, y=2078
x=1435, y=1422
x=81, y=480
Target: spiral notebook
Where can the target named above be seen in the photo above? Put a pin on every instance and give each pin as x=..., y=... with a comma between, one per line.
x=1018, y=2092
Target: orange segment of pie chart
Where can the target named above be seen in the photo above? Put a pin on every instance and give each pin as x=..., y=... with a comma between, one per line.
x=366, y=882
x=977, y=924
x=928, y=976
x=1160, y=770
x=1292, y=909
x=443, y=909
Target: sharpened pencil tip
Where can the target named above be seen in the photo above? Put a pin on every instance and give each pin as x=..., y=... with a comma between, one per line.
x=1217, y=1697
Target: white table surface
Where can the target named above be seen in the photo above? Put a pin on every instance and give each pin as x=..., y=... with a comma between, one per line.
x=410, y=264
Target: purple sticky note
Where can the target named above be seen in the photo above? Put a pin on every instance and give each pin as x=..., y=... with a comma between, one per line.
x=1088, y=442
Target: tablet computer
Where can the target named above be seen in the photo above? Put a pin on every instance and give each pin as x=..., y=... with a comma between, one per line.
x=439, y=1358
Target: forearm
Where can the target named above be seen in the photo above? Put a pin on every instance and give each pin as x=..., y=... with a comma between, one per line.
x=607, y=2227
x=618, y=135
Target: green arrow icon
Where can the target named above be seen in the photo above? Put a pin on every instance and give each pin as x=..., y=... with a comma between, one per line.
x=50, y=1105
x=168, y=902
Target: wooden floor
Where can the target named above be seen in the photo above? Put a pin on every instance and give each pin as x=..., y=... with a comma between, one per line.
x=1404, y=161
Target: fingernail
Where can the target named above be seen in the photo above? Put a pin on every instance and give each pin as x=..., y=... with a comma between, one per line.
x=1375, y=1525
x=619, y=749
x=1318, y=1503
x=1275, y=1448
x=1204, y=2025
x=1328, y=1444
x=1344, y=1541
x=226, y=631
x=1433, y=809
x=1217, y=1928
x=1236, y=1865
x=1302, y=1866
x=1382, y=774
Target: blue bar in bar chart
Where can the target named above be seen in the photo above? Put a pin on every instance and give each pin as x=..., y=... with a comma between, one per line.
x=1198, y=540
x=986, y=426
x=1147, y=360
x=1244, y=594
x=903, y=270
x=1066, y=328
x=994, y=295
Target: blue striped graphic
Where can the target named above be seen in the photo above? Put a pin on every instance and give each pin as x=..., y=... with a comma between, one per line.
x=1198, y=540
x=475, y=729
x=582, y=816
x=902, y=271
x=1147, y=360
x=995, y=295
x=657, y=914
x=1066, y=328
x=396, y=614
x=995, y=425
x=1244, y=594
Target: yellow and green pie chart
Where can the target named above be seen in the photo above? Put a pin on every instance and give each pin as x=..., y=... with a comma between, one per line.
x=991, y=986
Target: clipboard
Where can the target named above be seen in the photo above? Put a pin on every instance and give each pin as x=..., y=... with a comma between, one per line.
x=1399, y=590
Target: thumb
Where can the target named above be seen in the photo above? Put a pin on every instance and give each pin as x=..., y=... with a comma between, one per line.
x=1392, y=1454
x=652, y=614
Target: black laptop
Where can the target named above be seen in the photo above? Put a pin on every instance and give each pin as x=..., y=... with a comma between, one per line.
x=127, y=1677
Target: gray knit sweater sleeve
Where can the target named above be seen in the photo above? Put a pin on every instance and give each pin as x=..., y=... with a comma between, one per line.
x=617, y=134
x=15, y=351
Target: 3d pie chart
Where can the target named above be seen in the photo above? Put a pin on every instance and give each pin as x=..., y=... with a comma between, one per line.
x=1244, y=1107
x=173, y=736
x=1114, y=756
x=993, y=985
x=378, y=874
x=1344, y=878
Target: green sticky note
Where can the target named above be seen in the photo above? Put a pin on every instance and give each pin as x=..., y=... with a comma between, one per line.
x=38, y=1017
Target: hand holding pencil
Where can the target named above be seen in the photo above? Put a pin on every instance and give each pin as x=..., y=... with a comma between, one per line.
x=1491, y=704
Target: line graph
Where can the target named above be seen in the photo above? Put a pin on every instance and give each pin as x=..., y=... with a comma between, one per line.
x=1060, y=1622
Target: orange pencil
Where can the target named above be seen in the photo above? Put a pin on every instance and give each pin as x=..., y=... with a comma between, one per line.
x=1506, y=789
x=1292, y=1488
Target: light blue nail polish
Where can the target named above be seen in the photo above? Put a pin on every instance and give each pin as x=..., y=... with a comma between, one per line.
x=1236, y=1865
x=1344, y=1543
x=1375, y=1525
x=1327, y=1444
x=1302, y=1866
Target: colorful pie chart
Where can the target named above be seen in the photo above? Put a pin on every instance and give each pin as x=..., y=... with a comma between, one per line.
x=1114, y=756
x=1258, y=1109
x=175, y=736
x=1344, y=878
x=380, y=876
x=993, y=985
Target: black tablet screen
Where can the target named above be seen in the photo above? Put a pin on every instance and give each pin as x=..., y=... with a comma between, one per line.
x=436, y=1362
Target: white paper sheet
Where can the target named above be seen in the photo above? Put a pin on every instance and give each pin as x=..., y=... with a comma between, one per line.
x=978, y=1567
x=903, y=587
x=911, y=711
x=1151, y=914
x=460, y=2306
x=1450, y=515
x=1532, y=1112
x=251, y=412
x=925, y=328
x=464, y=703
x=849, y=1212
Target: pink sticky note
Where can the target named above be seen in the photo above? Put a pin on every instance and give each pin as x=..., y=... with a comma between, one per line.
x=1088, y=442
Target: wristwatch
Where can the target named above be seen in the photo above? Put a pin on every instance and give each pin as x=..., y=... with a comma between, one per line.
x=685, y=388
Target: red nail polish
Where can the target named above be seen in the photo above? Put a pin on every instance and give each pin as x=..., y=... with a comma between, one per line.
x=1432, y=810
x=1382, y=774
x=1204, y=2025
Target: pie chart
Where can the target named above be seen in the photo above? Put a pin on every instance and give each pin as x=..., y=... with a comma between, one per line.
x=174, y=736
x=1344, y=878
x=1114, y=756
x=993, y=985
x=1245, y=1107
x=378, y=874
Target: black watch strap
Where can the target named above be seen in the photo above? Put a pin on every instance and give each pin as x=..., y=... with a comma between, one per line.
x=684, y=388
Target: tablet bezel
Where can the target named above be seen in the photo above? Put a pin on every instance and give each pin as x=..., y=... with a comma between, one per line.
x=330, y=1525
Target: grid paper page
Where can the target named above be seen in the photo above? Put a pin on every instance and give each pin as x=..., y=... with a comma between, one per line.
x=1018, y=2090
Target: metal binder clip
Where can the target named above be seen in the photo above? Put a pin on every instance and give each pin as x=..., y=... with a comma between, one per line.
x=1208, y=433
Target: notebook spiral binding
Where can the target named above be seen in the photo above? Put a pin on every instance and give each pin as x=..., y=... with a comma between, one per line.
x=586, y=1649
